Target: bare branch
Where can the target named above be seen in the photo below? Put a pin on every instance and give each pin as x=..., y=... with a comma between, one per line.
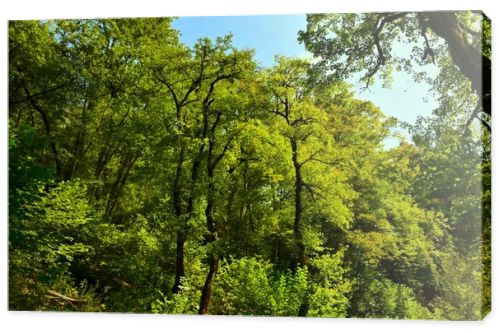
x=311, y=158
x=302, y=120
x=221, y=155
x=428, y=50
x=53, y=294
x=277, y=112
x=311, y=191
x=35, y=95
x=381, y=59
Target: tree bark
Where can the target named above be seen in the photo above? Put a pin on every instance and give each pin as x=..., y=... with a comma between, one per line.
x=206, y=293
x=297, y=228
x=46, y=123
x=465, y=56
x=181, y=239
x=212, y=228
x=211, y=237
x=80, y=140
x=472, y=63
x=126, y=165
x=181, y=235
x=179, y=262
x=53, y=294
x=302, y=258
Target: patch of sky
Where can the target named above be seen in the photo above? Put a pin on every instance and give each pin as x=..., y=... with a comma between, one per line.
x=271, y=35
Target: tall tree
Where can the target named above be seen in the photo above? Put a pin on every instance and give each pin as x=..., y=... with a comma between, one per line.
x=351, y=43
x=293, y=100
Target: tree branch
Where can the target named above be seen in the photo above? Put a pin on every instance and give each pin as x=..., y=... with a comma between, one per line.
x=53, y=294
x=311, y=191
x=221, y=155
x=381, y=59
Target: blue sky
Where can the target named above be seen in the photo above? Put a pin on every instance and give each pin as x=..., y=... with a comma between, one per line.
x=268, y=35
x=277, y=34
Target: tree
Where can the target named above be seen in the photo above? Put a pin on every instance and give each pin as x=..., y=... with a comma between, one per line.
x=193, y=89
x=452, y=180
x=149, y=176
x=293, y=100
x=351, y=43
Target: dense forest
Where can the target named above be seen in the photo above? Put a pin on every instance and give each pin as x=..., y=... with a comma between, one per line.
x=146, y=175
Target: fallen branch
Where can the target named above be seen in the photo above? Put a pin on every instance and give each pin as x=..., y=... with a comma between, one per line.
x=53, y=294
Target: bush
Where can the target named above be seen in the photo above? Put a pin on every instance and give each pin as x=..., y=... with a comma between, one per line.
x=249, y=286
x=331, y=289
x=385, y=299
x=45, y=238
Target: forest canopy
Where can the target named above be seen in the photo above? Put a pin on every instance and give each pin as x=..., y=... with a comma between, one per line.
x=146, y=175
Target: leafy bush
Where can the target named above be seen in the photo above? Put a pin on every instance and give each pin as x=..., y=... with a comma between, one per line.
x=331, y=288
x=386, y=299
x=253, y=287
x=184, y=302
x=45, y=242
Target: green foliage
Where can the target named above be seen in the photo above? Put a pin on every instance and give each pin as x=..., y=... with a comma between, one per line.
x=149, y=176
x=460, y=278
x=383, y=298
x=252, y=287
x=331, y=287
x=124, y=263
x=45, y=242
x=184, y=302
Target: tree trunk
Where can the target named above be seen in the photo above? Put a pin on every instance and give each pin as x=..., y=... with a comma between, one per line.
x=46, y=123
x=80, y=140
x=104, y=157
x=206, y=293
x=182, y=234
x=181, y=239
x=179, y=262
x=212, y=231
x=472, y=63
x=126, y=165
x=297, y=228
x=302, y=259
x=211, y=237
